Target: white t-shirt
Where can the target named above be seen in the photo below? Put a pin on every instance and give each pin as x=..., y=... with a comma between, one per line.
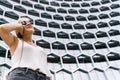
x=32, y=57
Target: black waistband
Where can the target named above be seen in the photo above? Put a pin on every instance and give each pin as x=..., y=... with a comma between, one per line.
x=28, y=69
x=31, y=71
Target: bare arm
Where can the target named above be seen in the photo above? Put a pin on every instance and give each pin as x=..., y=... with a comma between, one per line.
x=8, y=27
x=5, y=34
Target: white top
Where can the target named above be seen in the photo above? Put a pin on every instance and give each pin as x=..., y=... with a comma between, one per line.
x=32, y=57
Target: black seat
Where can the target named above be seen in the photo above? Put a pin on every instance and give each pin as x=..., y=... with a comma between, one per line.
x=100, y=45
x=93, y=10
x=48, y=33
x=81, y=18
x=17, y=1
x=33, y=12
x=86, y=46
x=58, y=45
x=92, y=17
x=90, y=25
x=19, y=8
x=40, y=22
x=38, y=6
x=114, y=6
x=6, y=3
x=102, y=24
x=68, y=59
x=85, y=4
x=75, y=35
x=113, y=43
x=82, y=11
x=114, y=22
x=95, y=3
x=27, y=3
x=44, y=2
x=43, y=43
x=75, y=5
x=103, y=16
x=104, y=8
x=72, y=46
x=72, y=11
x=78, y=26
x=98, y=57
x=105, y=1
x=114, y=32
x=88, y=35
x=53, y=57
x=62, y=34
x=61, y=10
x=66, y=26
x=58, y=17
x=69, y=18
x=11, y=14
x=51, y=9
x=53, y=3
x=54, y=25
x=113, y=56
x=65, y=4
x=114, y=14
x=35, y=0
x=46, y=15
x=100, y=34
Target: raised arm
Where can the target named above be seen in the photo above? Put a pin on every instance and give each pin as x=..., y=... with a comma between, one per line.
x=7, y=37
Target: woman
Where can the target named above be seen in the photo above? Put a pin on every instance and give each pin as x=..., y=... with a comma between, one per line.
x=29, y=61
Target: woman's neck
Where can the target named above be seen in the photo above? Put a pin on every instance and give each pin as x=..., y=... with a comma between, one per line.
x=27, y=38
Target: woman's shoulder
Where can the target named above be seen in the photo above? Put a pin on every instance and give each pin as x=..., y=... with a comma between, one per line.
x=41, y=48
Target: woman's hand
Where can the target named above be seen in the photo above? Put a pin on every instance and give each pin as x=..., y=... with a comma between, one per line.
x=20, y=25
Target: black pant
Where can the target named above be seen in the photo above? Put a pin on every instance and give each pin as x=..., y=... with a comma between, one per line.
x=26, y=74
